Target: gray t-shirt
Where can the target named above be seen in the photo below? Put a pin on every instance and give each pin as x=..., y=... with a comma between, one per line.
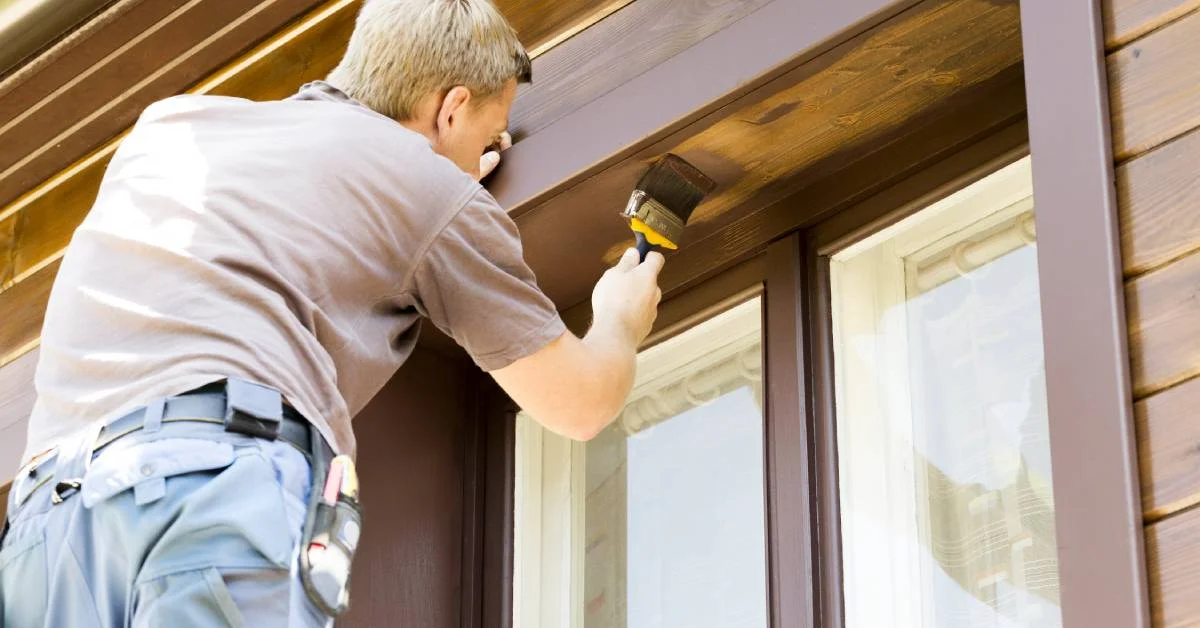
x=294, y=243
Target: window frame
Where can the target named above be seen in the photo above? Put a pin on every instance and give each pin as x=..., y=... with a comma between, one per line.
x=1102, y=572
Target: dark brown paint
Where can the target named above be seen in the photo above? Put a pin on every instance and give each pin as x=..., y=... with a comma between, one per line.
x=680, y=91
x=793, y=550
x=412, y=441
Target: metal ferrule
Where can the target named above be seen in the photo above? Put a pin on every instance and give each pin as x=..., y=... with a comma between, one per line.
x=655, y=215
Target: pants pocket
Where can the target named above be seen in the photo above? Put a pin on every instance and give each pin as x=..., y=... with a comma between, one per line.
x=23, y=578
x=258, y=598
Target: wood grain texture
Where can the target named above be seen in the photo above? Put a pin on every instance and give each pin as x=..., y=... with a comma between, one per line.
x=1173, y=557
x=94, y=106
x=586, y=69
x=857, y=95
x=1158, y=197
x=24, y=308
x=1168, y=434
x=1155, y=86
x=1164, y=326
x=1126, y=20
x=16, y=402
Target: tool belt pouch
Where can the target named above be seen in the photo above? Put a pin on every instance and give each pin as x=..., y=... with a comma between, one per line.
x=331, y=535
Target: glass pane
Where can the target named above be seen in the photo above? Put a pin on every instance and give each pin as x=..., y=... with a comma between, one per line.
x=947, y=507
x=659, y=521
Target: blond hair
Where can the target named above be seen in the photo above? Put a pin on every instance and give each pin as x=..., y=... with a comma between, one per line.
x=403, y=50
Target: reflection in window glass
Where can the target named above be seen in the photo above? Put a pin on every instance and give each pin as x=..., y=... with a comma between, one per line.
x=944, y=457
x=658, y=522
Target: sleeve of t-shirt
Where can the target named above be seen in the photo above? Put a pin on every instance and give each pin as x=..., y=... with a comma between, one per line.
x=474, y=285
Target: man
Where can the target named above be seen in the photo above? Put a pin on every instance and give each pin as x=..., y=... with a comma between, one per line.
x=250, y=269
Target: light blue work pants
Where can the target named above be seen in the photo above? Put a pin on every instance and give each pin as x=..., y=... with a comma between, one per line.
x=186, y=526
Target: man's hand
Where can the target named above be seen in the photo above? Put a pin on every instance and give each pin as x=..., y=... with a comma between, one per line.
x=626, y=297
x=577, y=387
x=491, y=159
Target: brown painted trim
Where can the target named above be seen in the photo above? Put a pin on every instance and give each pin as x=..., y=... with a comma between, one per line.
x=793, y=551
x=499, y=417
x=1101, y=560
x=823, y=418
x=474, y=473
x=680, y=91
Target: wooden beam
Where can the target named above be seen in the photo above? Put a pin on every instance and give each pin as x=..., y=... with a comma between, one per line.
x=1158, y=198
x=1127, y=20
x=1155, y=88
x=853, y=99
x=687, y=90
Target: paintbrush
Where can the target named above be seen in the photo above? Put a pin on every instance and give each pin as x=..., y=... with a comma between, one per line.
x=663, y=201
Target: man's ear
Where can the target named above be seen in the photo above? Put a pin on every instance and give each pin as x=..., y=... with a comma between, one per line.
x=453, y=105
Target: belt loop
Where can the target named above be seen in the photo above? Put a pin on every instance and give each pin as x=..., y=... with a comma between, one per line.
x=155, y=410
x=252, y=409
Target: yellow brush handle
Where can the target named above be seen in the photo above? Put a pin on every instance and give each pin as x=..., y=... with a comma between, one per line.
x=652, y=236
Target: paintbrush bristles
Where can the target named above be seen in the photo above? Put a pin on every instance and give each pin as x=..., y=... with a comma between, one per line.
x=677, y=185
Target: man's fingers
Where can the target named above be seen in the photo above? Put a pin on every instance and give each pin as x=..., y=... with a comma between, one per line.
x=629, y=260
x=488, y=162
x=654, y=262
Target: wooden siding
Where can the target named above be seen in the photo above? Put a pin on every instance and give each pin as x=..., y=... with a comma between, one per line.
x=1155, y=95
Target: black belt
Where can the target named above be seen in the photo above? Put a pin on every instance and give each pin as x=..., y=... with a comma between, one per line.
x=240, y=407
x=213, y=407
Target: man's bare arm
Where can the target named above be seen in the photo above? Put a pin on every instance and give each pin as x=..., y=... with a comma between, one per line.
x=576, y=387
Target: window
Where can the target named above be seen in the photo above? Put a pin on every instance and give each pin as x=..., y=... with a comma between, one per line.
x=660, y=520
x=944, y=459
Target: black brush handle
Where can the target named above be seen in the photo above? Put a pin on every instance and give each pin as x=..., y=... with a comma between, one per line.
x=643, y=246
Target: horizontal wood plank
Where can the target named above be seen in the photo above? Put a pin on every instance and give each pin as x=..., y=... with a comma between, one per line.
x=17, y=395
x=94, y=106
x=1126, y=20
x=1173, y=566
x=1155, y=85
x=1158, y=199
x=24, y=308
x=1168, y=433
x=1164, y=326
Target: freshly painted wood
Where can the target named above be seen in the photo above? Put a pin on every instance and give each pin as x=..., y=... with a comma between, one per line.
x=1155, y=88
x=1158, y=204
x=585, y=70
x=1164, y=326
x=1127, y=20
x=857, y=99
x=1170, y=460
x=1173, y=556
x=24, y=307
